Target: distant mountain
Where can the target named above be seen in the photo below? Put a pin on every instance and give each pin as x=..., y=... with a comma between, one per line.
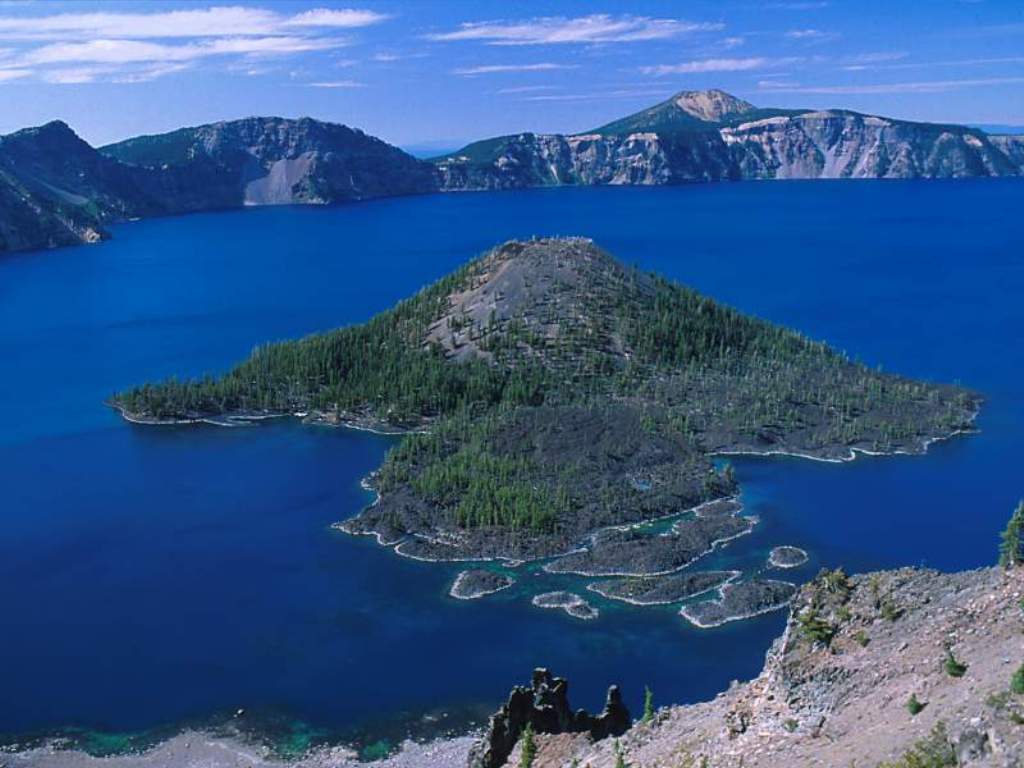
x=55, y=189
x=272, y=161
x=711, y=135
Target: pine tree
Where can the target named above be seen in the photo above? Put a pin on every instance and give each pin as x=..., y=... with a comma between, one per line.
x=1010, y=552
x=648, y=705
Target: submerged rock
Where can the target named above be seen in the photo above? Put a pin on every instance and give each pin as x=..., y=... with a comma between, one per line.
x=476, y=583
x=787, y=557
x=661, y=590
x=545, y=706
x=569, y=602
x=740, y=601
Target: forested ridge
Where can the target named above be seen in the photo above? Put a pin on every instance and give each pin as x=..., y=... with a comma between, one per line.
x=558, y=324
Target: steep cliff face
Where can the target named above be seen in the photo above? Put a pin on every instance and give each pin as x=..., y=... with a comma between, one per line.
x=710, y=135
x=272, y=161
x=641, y=158
x=840, y=145
x=1012, y=147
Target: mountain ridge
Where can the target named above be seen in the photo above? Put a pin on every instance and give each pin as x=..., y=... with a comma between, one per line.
x=55, y=189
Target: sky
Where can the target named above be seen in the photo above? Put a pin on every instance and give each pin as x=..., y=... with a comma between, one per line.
x=426, y=72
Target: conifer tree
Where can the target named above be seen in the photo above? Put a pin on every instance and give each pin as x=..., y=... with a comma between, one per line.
x=1010, y=552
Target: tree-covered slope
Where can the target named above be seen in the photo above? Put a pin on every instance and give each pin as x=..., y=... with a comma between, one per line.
x=561, y=392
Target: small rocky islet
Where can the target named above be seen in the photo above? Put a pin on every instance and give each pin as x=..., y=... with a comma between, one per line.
x=787, y=557
x=739, y=600
x=662, y=590
x=477, y=582
x=570, y=602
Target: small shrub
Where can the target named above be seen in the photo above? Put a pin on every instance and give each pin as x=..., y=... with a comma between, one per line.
x=529, y=753
x=890, y=611
x=620, y=758
x=862, y=638
x=933, y=751
x=1017, y=681
x=914, y=706
x=790, y=724
x=953, y=667
x=816, y=628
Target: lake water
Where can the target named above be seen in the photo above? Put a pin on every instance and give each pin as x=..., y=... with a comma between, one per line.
x=150, y=576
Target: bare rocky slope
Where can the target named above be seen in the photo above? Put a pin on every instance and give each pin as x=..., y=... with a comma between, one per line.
x=836, y=687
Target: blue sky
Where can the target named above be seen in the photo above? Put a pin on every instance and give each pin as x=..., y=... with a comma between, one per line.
x=443, y=72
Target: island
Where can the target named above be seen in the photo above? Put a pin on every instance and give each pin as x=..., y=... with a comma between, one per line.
x=476, y=583
x=740, y=600
x=662, y=590
x=571, y=603
x=787, y=557
x=557, y=401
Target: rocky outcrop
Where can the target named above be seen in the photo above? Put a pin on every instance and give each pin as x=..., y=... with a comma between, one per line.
x=836, y=687
x=544, y=705
x=846, y=145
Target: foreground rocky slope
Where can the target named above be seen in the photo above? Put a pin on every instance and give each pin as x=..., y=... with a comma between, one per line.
x=834, y=691
x=711, y=135
x=836, y=687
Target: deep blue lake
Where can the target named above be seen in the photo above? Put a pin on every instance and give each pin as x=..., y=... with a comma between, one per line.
x=150, y=576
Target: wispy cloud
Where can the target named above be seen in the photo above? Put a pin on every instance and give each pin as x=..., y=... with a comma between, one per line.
x=930, y=86
x=489, y=69
x=595, y=28
x=716, y=65
x=138, y=47
x=195, y=22
x=930, y=64
x=812, y=35
x=810, y=5
x=527, y=89
x=13, y=74
x=337, y=84
x=625, y=93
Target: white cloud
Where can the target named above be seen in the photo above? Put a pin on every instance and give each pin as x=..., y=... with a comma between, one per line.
x=133, y=51
x=930, y=86
x=627, y=93
x=337, y=84
x=214, y=21
x=345, y=17
x=715, y=65
x=595, y=28
x=812, y=35
x=13, y=74
x=488, y=69
x=136, y=47
x=527, y=89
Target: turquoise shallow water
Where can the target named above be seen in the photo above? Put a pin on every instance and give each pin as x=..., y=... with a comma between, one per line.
x=154, y=576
